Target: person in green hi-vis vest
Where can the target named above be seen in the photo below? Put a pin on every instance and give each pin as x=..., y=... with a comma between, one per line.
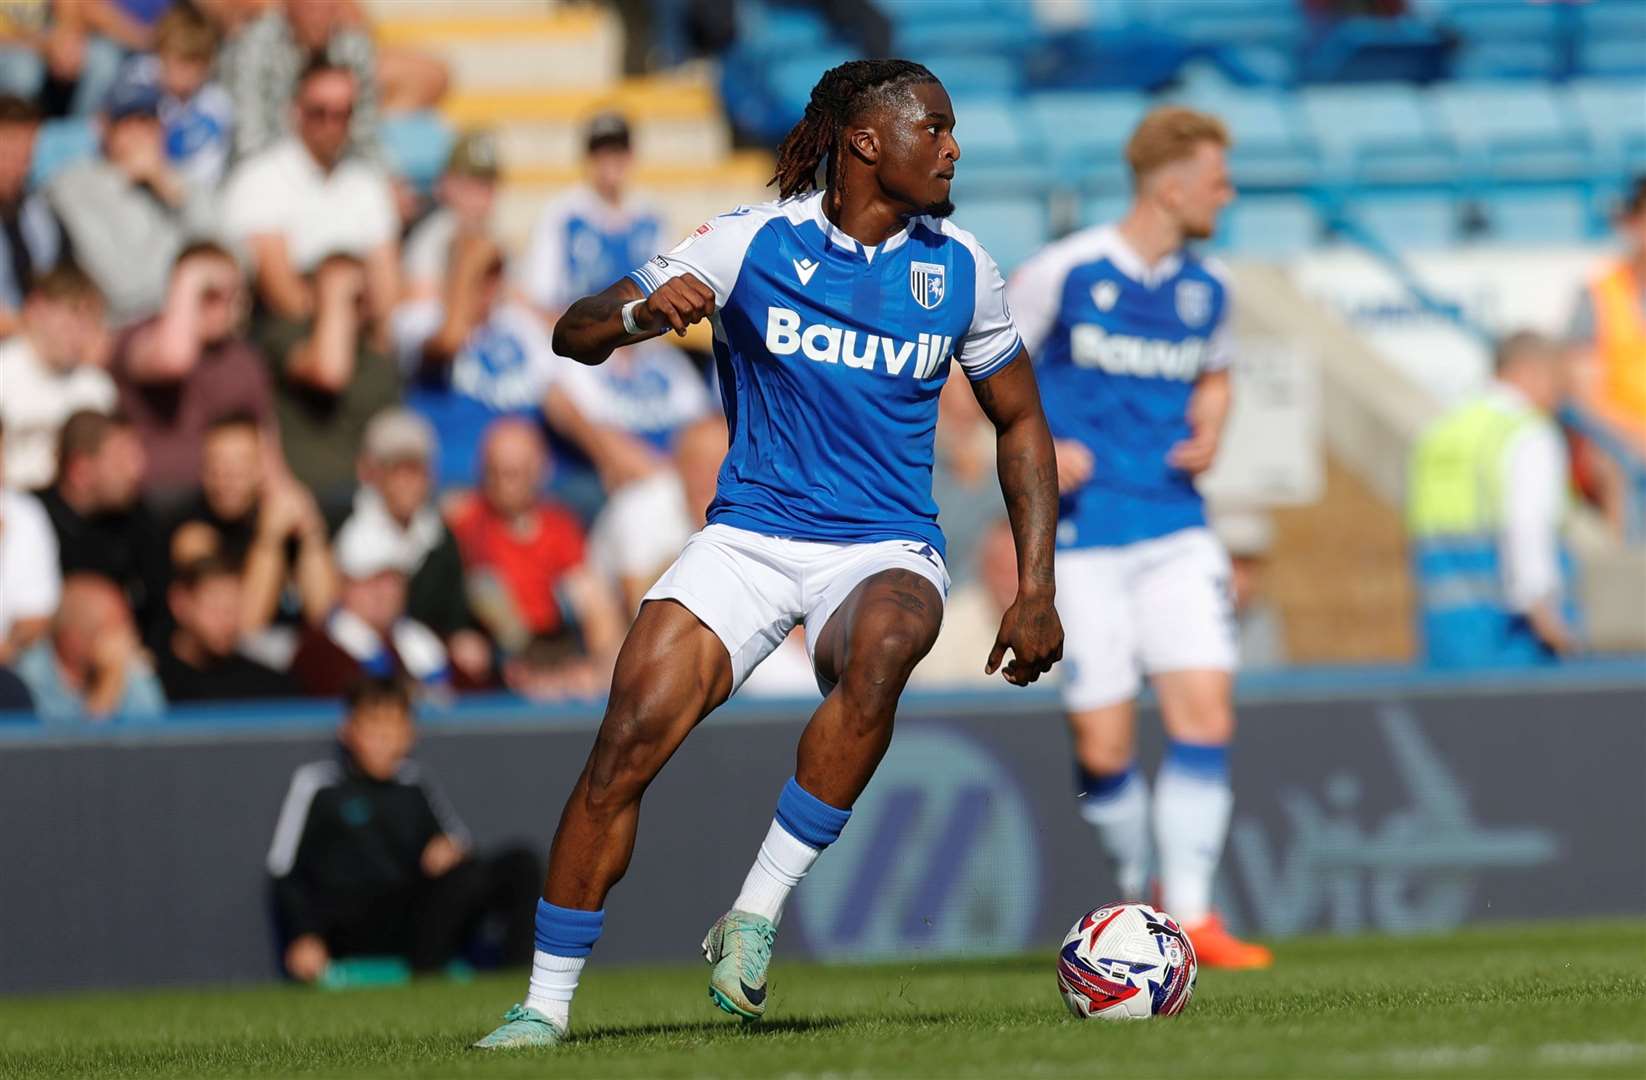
x=1486, y=498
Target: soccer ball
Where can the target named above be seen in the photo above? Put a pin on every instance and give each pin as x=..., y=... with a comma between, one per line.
x=1126, y=962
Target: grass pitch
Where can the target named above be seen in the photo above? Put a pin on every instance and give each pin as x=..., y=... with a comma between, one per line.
x=1541, y=1001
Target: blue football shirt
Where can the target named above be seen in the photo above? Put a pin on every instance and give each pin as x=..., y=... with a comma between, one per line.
x=831, y=357
x=1118, y=348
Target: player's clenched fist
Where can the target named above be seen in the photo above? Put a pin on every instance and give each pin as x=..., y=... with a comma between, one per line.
x=676, y=304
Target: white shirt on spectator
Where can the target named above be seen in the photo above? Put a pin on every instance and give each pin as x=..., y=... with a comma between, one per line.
x=30, y=582
x=283, y=190
x=1534, y=502
x=35, y=399
x=427, y=250
x=650, y=390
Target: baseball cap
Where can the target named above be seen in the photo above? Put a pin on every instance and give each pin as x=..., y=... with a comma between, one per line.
x=398, y=435
x=608, y=129
x=474, y=154
x=368, y=546
x=132, y=94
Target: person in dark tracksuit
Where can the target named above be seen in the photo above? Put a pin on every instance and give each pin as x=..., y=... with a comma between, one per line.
x=368, y=859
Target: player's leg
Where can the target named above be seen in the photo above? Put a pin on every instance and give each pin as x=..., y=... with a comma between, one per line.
x=865, y=645
x=1186, y=624
x=671, y=672
x=1099, y=677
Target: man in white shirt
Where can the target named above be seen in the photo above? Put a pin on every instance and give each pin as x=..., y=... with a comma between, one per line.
x=30, y=583
x=1486, y=503
x=53, y=367
x=467, y=194
x=302, y=199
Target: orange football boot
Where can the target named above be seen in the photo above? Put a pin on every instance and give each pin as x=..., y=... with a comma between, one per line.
x=1215, y=947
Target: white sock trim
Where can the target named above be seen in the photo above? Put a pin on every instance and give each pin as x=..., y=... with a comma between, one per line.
x=553, y=982
x=778, y=867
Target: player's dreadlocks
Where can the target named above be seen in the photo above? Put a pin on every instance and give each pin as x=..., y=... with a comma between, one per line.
x=841, y=94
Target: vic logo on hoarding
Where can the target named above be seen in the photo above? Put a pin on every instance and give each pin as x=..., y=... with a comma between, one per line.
x=940, y=857
x=1416, y=868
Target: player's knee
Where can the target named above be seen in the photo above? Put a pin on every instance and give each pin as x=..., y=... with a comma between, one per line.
x=1210, y=724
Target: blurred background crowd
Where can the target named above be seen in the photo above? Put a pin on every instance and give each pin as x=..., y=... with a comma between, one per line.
x=278, y=405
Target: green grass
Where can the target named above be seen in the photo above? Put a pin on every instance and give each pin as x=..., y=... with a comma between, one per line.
x=1538, y=1001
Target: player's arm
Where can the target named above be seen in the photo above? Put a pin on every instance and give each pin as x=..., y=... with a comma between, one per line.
x=622, y=315
x=1208, y=409
x=1028, y=479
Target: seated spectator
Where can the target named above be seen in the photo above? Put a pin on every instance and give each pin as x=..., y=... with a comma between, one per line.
x=260, y=520
x=31, y=237
x=128, y=212
x=465, y=196
x=51, y=369
x=471, y=356
x=201, y=660
x=91, y=664
x=393, y=507
x=265, y=60
x=369, y=633
x=302, y=199
x=525, y=556
x=368, y=858
x=329, y=381
x=30, y=580
x=196, y=114
x=78, y=43
x=102, y=528
x=190, y=366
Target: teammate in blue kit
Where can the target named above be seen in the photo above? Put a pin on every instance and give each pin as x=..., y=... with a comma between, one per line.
x=835, y=316
x=1129, y=328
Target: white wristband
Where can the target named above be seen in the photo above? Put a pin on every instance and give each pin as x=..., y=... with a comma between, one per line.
x=629, y=325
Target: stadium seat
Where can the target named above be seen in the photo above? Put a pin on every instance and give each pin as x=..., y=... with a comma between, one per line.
x=1614, y=20
x=975, y=75
x=1537, y=58
x=1556, y=217
x=1269, y=226
x=1077, y=127
x=1103, y=209
x=1503, y=20
x=1511, y=129
x=1010, y=229
x=1613, y=57
x=1408, y=221
x=1270, y=150
x=1378, y=132
x=792, y=77
x=989, y=132
x=1613, y=115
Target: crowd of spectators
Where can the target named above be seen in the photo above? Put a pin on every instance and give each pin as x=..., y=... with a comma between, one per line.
x=269, y=426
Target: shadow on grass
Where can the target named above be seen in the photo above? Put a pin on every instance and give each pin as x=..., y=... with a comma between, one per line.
x=715, y=1029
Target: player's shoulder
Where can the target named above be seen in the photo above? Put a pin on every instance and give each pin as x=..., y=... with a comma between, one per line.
x=1207, y=268
x=946, y=230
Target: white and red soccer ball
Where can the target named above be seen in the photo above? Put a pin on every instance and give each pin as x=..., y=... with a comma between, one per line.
x=1126, y=962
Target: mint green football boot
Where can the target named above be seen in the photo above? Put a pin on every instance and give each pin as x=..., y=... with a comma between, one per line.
x=739, y=946
x=522, y=1028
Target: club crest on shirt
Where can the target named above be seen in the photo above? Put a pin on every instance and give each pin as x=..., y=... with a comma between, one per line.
x=926, y=283
x=1104, y=295
x=1194, y=302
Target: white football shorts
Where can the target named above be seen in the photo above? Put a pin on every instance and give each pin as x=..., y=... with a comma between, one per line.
x=752, y=589
x=1156, y=605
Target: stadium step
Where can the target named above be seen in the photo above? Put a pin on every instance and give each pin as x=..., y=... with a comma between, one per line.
x=563, y=47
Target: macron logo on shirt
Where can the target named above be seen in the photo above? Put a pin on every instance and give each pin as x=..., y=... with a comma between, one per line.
x=804, y=269
x=834, y=345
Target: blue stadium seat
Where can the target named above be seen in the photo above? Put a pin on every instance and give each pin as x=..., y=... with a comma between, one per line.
x=908, y=12
x=1103, y=209
x=1378, y=132
x=1010, y=229
x=1269, y=226
x=1270, y=149
x=1538, y=58
x=972, y=76
x=1613, y=114
x=1552, y=217
x=1614, y=20
x=990, y=131
x=1613, y=57
x=61, y=143
x=1512, y=129
x=793, y=77
x=1408, y=221
x=1503, y=20
x=1076, y=128
x=775, y=30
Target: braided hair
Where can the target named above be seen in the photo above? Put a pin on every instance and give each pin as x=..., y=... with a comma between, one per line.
x=840, y=95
